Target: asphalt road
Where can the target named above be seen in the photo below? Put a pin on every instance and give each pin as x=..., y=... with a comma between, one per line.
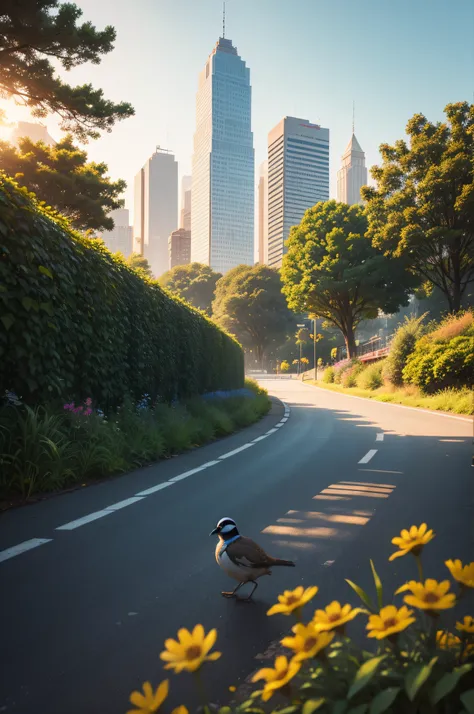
x=83, y=615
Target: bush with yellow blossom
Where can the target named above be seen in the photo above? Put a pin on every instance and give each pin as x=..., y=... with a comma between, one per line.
x=414, y=662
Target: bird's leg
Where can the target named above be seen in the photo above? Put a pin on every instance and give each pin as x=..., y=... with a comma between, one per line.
x=255, y=586
x=233, y=593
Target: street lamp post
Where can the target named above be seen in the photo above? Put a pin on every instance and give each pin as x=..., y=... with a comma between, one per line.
x=315, y=334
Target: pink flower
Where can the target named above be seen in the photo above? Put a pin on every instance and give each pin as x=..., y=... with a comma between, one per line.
x=69, y=407
x=88, y=402
x=88, y=412
x=77, y=410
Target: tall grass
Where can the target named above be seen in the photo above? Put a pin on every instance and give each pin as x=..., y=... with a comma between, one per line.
x=453, y=326
x=47, y=448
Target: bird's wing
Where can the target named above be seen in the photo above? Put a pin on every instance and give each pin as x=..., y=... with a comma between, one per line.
x=245, y=553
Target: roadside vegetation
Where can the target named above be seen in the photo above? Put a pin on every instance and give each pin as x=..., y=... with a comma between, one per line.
x=49, y=448
x=430, y=367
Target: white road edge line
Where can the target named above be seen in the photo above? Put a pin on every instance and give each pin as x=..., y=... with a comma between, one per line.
x=270, y=431
x=369, y=455
x=260, y=438
x=72, y=525
x=22, y=548
x=400, y=406
x=123, y=504
x=379, y=437
x=184, y=475
x=236, y=451
x=154, y=489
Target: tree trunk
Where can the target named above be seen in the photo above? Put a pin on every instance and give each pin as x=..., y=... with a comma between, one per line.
x=260, y=350
x=349, y=338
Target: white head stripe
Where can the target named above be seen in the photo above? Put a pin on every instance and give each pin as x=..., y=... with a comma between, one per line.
x=226, y=519
x=228, y=528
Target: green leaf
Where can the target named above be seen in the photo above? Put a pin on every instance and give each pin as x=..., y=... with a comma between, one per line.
x=360, y=709
x=448, y=682
x=416, y=677
x=289, y=710
x=378, y=586
x=45, y=271
x=339, y=707
x=364, y=675
x=382, y=701
x=7, y=320
x=312, y=705
x=362, y=594
x=467, y=699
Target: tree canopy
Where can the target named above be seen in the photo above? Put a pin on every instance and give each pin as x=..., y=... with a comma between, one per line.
x=249, y=304
x=332, y=270
x=423, y=205
x=195, y=283
x=35, y=37
x=140, y=263
x=61, y=176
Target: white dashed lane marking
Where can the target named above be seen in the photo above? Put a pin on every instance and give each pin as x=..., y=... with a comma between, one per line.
x=379, y=437
x=78, y=522
x=369, y=455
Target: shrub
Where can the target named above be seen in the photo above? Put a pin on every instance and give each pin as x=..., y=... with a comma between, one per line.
x=77, y=321
x=453, y=326
x=349, y=376
x=371, y=376
x=409, y=663
x=328, y=375
x=339, y=371
x=436, y=365
x=402, y=346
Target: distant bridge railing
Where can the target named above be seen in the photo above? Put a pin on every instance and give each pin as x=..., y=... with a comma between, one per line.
x=375, y=348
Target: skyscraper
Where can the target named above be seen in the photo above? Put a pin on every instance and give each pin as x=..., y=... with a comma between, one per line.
x=185, y=213
x=120, y=238
x=179, y=247
x=33, y=130
x=222, y=200
x=156, y=208
x=263, y=213
x=353, y=173
x=298, y=177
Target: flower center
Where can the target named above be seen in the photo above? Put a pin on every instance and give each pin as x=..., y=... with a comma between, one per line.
x=431, y=597
x=309, y=644
x=193, y=652
x=391, y=622
x=334, y=617
x=291, y=600
x=282, y=674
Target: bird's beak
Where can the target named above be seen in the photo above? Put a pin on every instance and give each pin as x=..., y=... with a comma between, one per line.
x=214, y=532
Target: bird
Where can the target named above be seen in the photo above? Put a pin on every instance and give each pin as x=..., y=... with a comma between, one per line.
x=241, y=558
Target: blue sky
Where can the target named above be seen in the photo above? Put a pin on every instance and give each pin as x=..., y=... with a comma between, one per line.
x=307, y=58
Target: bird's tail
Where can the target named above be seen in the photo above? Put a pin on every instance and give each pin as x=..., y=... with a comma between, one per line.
x=286, y=563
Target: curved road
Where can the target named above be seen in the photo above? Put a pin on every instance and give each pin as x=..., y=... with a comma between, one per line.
x=84, y=613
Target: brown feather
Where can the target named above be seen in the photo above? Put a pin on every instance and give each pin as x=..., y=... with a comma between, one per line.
x=246, y=553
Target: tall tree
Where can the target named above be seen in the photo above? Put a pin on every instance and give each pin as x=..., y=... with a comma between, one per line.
x=423, y=205
x=140, y=263
x=332, y=270
x=62, y=176
x=249, y=304
x=195, y=283
x=37, y=36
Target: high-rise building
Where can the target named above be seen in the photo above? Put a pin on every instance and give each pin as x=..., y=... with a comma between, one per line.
x=222, y=200
x=33, y=130
x=179, y=247
x=185, y=213
x=353, y=173
x=263, y=213
x=156, y=208
x=298, y=177
x=120, y=238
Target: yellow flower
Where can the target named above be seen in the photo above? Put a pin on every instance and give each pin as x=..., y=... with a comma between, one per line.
x=446, y=640
x=430, y=595
x=149, y=701
x=412, y=541
x=334, y=616
x=232, y=688
x=191, y=650
x=180, y=710
x=389, y=621
x=308, y=641
x=293, y=600
x=467, y=625
x=276, y=678
x=464, y=575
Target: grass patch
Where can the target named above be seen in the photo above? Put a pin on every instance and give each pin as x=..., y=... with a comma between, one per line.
x=455, y=401
x=46, y=449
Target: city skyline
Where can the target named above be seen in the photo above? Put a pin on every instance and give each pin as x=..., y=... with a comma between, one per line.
x=310, y=78
x=353, y=173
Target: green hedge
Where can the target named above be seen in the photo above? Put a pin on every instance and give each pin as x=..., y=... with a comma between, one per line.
x=437, y=365
x=77, y=322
